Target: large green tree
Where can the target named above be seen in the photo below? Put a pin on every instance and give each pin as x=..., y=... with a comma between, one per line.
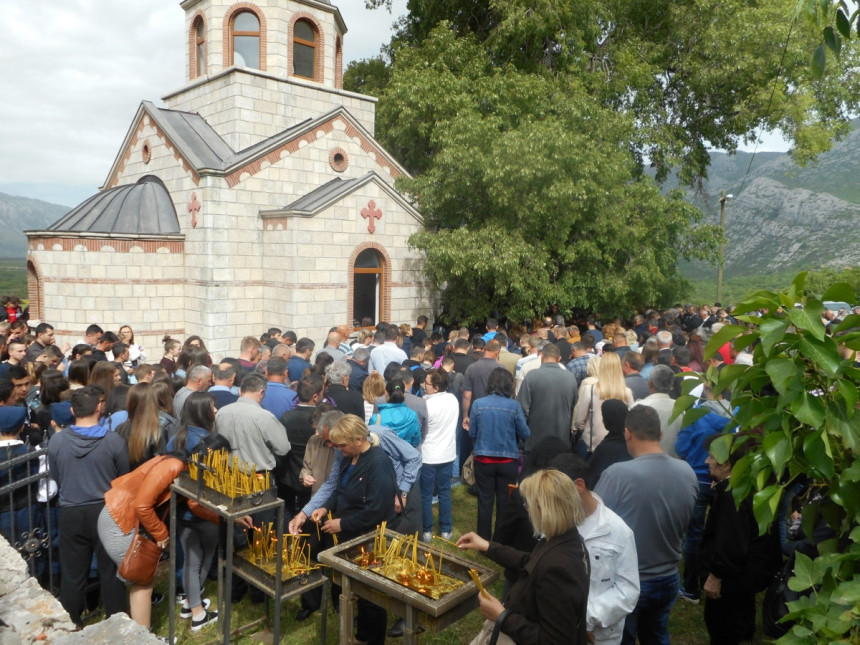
x=528, y=124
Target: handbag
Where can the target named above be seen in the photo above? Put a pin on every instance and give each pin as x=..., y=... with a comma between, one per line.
x=468, y=474
x=141, y=560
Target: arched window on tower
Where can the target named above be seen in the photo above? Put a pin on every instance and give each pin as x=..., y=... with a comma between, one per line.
x=368, y=287
x=199, y=35
x=245, y=40
x=305, y=50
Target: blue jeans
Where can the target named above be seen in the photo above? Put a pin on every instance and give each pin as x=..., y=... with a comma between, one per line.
x=692, y=575
x=438, y=477
x=650, y=619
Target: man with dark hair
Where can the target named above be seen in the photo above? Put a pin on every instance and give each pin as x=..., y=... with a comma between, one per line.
x=299, y=429
x=44, y=337
x=358, y=362
x=596, y=334
x=93, y=335
x=255, y=434
x=300, y=360
x=461, y=356
x=614, y=584
x=418, y=333
x=547, y=396
x=346, y=400
x=249, y=354
x=84, y=458
x=120, y=356
x=507, y=359
x=20, y=379
x=388, y=352
x=619, y=341
x=279, y=398
x=105, y=345
x=289, y=338
x=578, y=365
x=224, y=375
x=654, y=494
x=630, y=365
x=660, y=383
x=492, y=329
x=17, y=351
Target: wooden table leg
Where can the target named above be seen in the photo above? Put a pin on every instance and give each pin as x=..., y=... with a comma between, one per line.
x=347, y=634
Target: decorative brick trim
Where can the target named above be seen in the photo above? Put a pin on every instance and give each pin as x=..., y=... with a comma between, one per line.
x=291, y=146
x=192, y=44
x=35, y=289
x=118, y=245
x=228, y=31
x=147, y=121
x=386, y=280
x=159, y=333
x=338, y=159
x=272, y=223
x=338, y=63
x=118, y=281
x=319, y=52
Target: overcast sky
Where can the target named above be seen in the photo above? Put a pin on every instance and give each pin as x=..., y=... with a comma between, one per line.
x=74, y=72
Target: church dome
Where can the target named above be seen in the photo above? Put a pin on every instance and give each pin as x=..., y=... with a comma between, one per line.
x=143, y=208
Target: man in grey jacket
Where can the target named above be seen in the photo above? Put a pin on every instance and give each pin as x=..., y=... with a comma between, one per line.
x=548, y=395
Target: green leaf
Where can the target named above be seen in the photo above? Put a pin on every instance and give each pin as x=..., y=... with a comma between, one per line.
x=808, y=409
x=849, y=393
x=844, y=28
x=798, y=282
x=817, y=62
x=823, y=353
x=765, y=505
x=840, y=292
x=803, y=573
x=849, y=322
x=809, y=318
x=725, y=335
x=772, y=331
x=816, y=450
x=777, y=447
x=721, y=447
x=832, y=40
x=781, y=371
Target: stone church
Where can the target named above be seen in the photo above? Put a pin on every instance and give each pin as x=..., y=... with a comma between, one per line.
x=256, y=197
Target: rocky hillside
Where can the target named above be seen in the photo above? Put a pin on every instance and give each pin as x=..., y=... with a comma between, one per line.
x=785, y=217
x=19, y=214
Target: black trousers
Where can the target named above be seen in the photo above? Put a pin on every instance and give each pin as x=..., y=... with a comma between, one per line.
x=79, y=539
x=731, y=618
x=492, y=482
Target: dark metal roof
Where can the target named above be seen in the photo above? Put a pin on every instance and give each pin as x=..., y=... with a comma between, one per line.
x=200, y=144
x=325, y=194
x=144, y=208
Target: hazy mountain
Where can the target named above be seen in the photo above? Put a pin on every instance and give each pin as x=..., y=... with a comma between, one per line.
x=18, y=214
x=783, y=216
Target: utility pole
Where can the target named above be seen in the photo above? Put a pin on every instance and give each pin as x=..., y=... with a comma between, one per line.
x=723, y=198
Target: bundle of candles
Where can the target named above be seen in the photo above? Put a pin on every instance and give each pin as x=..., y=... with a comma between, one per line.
x=295, y=552
x=394, y=562
x=228, y=476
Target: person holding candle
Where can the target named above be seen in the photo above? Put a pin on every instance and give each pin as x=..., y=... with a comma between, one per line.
x=548, y=602
x=363, y=498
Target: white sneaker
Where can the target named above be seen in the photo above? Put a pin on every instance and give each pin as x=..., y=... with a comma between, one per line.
x=185, y=612
x=427, y=536
x=447, y=536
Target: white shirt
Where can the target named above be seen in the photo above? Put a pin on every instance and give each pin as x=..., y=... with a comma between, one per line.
x=440, y=444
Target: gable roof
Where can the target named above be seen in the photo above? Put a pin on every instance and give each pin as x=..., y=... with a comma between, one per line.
x=203, y=152
x=334, y=191
x=143, y=208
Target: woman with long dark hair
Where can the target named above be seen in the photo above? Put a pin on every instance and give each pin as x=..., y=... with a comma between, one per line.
x=496, y=424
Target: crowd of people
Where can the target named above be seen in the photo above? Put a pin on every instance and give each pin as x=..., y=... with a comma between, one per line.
x=597, y=494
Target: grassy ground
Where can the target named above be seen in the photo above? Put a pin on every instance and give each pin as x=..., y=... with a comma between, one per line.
x=686, y=624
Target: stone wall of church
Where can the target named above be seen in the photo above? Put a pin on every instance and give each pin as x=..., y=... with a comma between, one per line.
x=245, y=106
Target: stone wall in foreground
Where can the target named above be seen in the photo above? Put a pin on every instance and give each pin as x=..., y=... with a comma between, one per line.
x=32, y=615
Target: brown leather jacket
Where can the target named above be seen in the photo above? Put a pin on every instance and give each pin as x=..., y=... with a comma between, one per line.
x=135, y=496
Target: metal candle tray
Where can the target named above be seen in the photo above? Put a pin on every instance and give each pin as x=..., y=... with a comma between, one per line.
x=232, y=505
x=263, y=575
x=449, y=607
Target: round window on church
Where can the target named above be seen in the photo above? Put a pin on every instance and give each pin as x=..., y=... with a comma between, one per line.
x=146, y=152
x=338, y=160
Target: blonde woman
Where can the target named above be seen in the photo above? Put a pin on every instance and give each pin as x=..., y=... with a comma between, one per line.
x=592, y=369
x=373, y=388
x=547, y=604
x=587, y=415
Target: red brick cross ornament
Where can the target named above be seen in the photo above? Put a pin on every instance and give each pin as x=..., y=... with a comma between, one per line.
x=194, y=207
x=371, y=213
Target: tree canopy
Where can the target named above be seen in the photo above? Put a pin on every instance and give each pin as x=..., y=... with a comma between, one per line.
x=528, y=126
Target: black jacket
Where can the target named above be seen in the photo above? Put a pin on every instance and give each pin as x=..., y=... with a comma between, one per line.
x=367, y=497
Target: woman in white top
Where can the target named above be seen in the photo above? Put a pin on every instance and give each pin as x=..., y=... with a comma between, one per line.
x=587, y=415
x=438, y=451
x=135, y=352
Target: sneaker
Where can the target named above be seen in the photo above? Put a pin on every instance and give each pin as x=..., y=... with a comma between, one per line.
x=206, y=619
x=427, y=536
x=185, y=612
x=181, y=596
x=447, y=535
x=691, y=598
x=157, y=597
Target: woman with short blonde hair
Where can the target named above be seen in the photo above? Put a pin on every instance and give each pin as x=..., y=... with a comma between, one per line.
x=349, y=430
x=548, y=604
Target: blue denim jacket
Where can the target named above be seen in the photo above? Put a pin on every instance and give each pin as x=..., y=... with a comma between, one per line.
x=496, y=423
